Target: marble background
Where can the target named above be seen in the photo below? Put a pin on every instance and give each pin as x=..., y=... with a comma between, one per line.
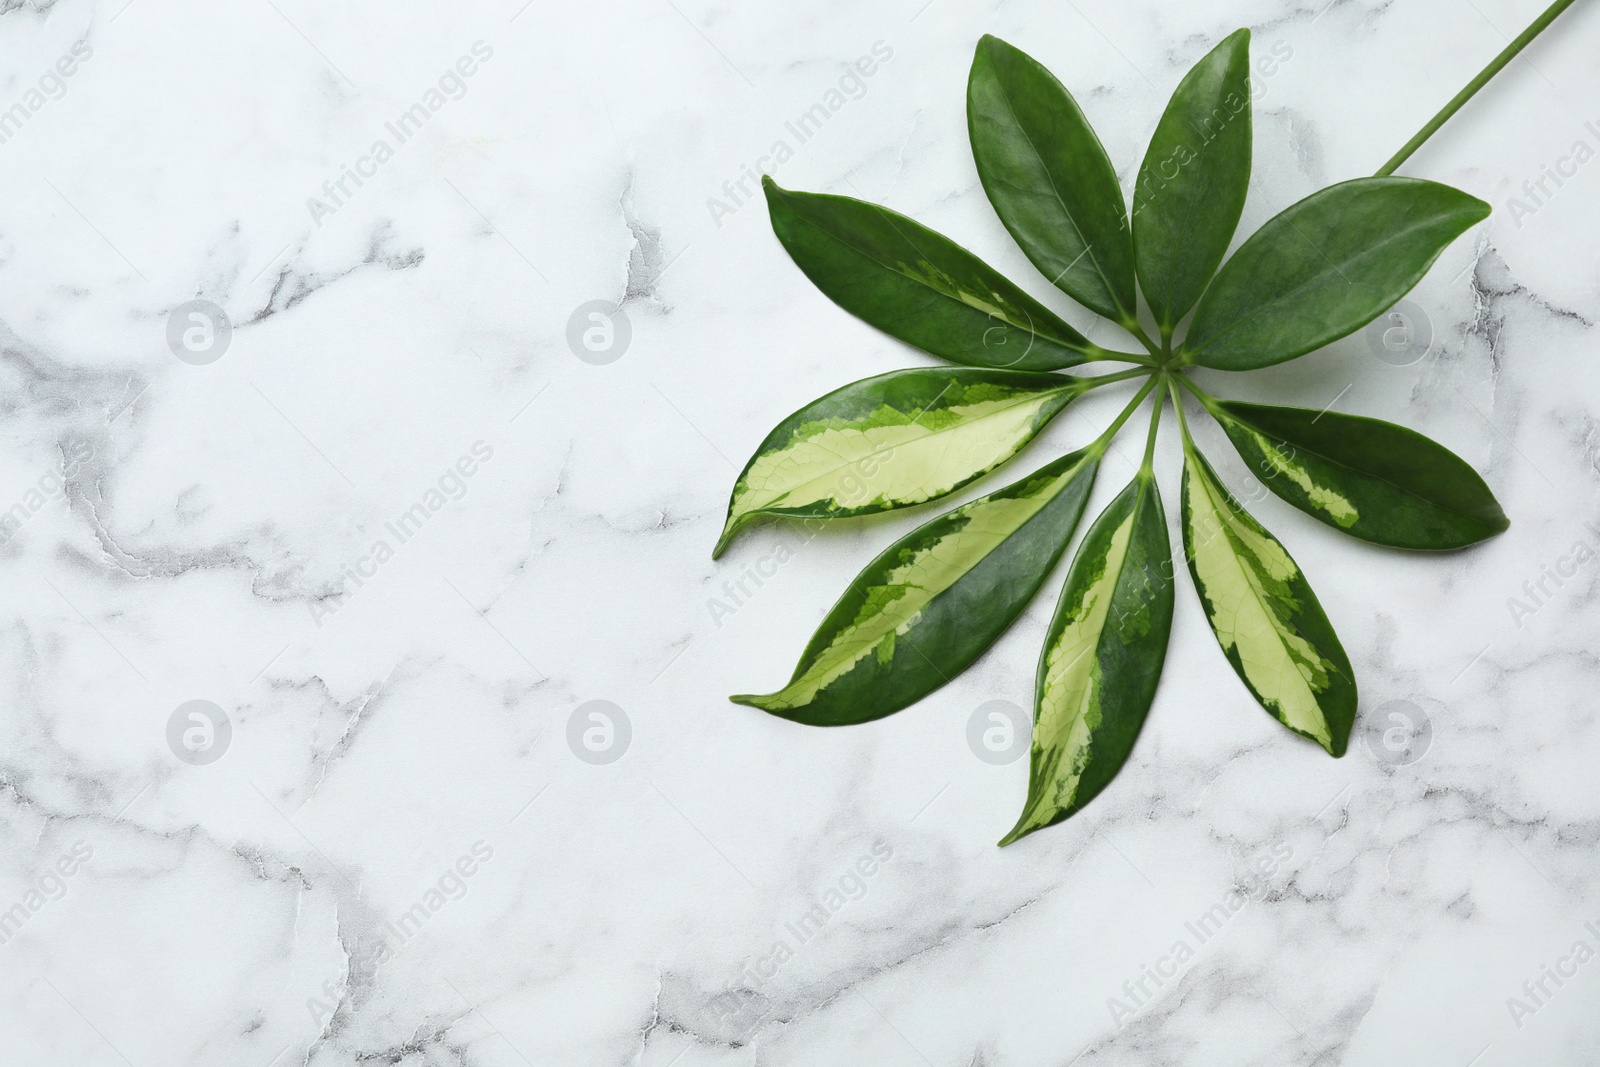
x=396, y=833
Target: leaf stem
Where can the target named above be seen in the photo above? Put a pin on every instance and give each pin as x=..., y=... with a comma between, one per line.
x=1207, y=401
x=1097, y=380
x=1507, y=55
x=1143, y=338
x=1177, y=405
x=1155, y=424
x=1096, y=354
x=1104, y=439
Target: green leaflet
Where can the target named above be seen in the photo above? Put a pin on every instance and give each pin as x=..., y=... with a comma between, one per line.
x=930, y=605
x=1102, y=657
x=917, y=285
x=1372, y=479
x=1323, y=268
x=1193, y=181
x=1264, y=613
x=1049, y=179
x=899, y=439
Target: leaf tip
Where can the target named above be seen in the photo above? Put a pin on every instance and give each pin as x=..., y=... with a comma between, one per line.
x=752, y=700
x=730, y=529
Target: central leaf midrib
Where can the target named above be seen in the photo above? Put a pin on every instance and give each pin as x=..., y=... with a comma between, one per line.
x=1321, y=275
x=1355, y=470
x=895, y=268
x=1251, y=582
x=891, y=617
x=1077, y=227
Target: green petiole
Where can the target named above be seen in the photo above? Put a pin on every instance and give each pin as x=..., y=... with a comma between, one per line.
x=1506, y=56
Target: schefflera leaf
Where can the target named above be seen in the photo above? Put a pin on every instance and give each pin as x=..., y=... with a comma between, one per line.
x=1265, y=616
x=935, y=600
x=918, y=285
x=895, y=440
x=1049, y=178
x=1102, y=657
x=1192, y=185
x=1323, y=268
x=1372, y=479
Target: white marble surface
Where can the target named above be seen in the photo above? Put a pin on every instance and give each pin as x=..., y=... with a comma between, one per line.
x=249, y=911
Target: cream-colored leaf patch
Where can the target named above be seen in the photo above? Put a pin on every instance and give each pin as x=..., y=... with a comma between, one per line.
x=1244, y=574
x=1340, y=510
x=892, y=609
x=890, y=459
x=1069, y=698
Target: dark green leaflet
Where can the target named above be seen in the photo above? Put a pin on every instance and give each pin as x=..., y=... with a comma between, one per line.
x=917, y=285
x=1193, y=181
x=1102, y=657
x=1372, y=479
x=1323, y=268
x=892, y=441
x=1049, y=178
x=1264, y=614
x=930, y=605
